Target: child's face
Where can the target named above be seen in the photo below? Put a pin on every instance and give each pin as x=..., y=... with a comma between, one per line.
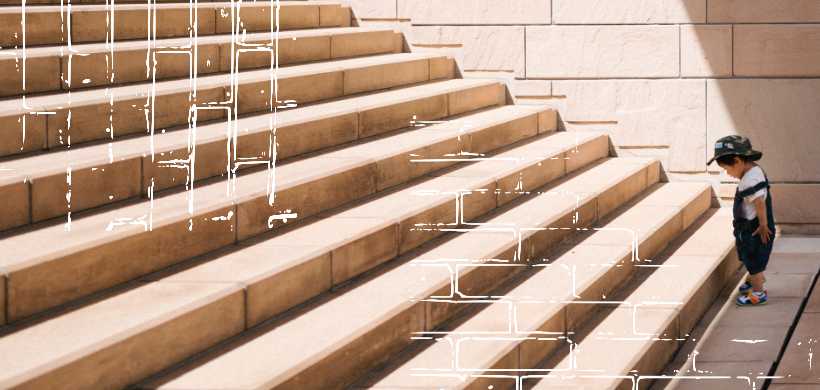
x=735, y=170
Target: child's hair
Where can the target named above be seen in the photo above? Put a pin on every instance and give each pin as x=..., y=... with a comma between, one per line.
x=729, y=160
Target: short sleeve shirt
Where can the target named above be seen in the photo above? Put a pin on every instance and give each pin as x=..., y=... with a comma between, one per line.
x=750, y=179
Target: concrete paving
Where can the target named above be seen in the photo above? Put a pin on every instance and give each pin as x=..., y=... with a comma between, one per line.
x=740, y=345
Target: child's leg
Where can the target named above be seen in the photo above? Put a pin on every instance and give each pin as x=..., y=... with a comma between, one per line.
x=757, y=281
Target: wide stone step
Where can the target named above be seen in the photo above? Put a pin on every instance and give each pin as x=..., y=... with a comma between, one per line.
x=101, y=250
x=275, y=273
x=649, y=326
x=328, y=346
x=54, y=68
x=50, y=121
x=86, y=22
x=107, y=173
x=509, y=337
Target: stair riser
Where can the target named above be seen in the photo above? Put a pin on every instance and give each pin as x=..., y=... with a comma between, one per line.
x=151, y=350
x=84, y=70
x=250, y=217
x=86, y=26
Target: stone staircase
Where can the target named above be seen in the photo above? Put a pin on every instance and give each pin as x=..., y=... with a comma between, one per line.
x=423, y=232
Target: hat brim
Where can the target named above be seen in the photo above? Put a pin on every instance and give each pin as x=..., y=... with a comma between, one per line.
x=752, y=155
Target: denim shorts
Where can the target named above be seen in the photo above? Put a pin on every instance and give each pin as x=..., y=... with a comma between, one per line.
x=751, y=250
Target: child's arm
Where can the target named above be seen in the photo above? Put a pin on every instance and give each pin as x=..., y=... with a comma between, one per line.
x=763, y=218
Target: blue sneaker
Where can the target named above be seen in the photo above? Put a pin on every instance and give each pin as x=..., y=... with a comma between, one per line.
x=745, y=287
x=753, y=298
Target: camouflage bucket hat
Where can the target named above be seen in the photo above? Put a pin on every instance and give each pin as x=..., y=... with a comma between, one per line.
x=735, y=145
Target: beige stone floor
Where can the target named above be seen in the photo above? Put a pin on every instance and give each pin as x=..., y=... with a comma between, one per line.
x=740, y=345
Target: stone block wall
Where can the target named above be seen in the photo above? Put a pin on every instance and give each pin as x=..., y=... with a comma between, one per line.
x=665, y=78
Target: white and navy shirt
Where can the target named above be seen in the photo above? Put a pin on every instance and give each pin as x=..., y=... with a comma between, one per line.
x=750, y=179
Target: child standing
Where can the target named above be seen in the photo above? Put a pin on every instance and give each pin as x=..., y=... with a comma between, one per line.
x=753, y=223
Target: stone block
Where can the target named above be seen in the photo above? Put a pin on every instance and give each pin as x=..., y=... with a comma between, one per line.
x=383, y=119
x=763, y=11
x=89, y=187
x=15, y=194
x=629, y=11
x=499, y=49
x=303, y=137
x=364, y=254
x=364, y=43
x=464, y=101
x=255, y=18
x=777, y=50
x=165, y=170
x=278, y=291
x=350, y=180
x=779, y=116
x=475, y=12
x=601, y=51
x=667, y=113
x=22, y=133
x=91, y=122
x=796, y=203
x=374, y=9
x=42, y=74
x=41, y=28
x=706, y=51
x=385, y=76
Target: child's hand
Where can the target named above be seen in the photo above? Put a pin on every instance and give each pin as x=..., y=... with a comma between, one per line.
x=764, y=232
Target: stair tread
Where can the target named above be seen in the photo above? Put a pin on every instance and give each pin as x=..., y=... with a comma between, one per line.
x=658, y=301
x=101, y=154
x=543, y=295
x=386, y=295
x=167, y=43
x=144, y=90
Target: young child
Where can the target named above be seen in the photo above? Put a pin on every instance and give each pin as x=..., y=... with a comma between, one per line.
x=754, y=229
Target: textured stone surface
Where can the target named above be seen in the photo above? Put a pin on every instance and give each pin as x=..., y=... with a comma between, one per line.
x=374, y=9
x=669, y=113
x=602, y=51
x=500, y=48
x=796, y=203
x=777, y=50
x=475, y=11
x=764, y=11
x=629, y=11
x=706, y=51
x=798, y=364
x=780, y=117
